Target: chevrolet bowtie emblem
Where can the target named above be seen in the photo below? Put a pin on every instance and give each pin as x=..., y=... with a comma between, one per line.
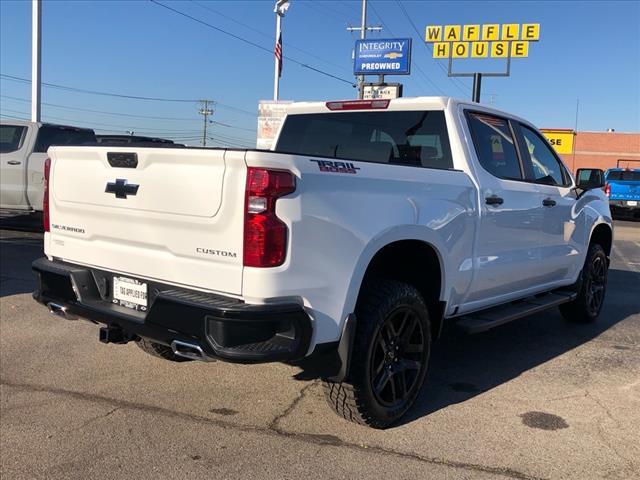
x=121, y=188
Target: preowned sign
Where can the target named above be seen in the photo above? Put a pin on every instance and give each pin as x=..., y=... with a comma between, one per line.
x=390, y=56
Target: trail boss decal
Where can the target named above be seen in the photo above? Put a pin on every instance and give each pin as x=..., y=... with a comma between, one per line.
x=336, y=167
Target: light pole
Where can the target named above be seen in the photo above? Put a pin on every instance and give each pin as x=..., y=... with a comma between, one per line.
x=280, y=9
x=36, y=44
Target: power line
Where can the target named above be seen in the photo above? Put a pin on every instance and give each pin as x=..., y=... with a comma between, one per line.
x=408, y=17
x=120, y=126
x=253, y=44
x=103, y=112
x=287, y=45
x=373, y=8
x=416, y=65
x=118, y=95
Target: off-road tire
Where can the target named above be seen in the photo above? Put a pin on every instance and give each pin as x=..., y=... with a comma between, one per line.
x=356, y=398
x=160, y=351
x=592, y=280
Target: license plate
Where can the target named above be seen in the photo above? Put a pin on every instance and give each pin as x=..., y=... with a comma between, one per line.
x=632, y=203
x=130, y=293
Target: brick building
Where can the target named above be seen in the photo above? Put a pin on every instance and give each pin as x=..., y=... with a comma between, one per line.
x=603, y=150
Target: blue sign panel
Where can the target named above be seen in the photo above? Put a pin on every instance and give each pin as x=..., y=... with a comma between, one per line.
x=391, y=56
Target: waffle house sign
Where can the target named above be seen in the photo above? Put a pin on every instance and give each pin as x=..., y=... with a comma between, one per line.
x=493, y=40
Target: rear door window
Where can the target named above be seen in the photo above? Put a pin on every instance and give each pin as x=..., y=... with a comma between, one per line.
x=11, y=137
x=495, y=146
x=414, y=138
x=547, y=169
x=57, y=135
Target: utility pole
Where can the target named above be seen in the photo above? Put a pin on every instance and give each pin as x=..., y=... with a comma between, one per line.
x=363, y=28
x=36, y=48
x=205, y=111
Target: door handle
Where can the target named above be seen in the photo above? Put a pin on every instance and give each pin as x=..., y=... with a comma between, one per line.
x=14, y=162
x=494, y=200
x=547, y=202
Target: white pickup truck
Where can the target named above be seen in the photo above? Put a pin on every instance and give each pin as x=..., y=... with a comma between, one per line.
x=23, y=150
x=346, y=247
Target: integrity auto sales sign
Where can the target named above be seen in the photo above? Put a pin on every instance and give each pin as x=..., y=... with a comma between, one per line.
x=382, y=56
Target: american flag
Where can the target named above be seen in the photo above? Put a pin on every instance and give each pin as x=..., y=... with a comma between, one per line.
x=278, y=54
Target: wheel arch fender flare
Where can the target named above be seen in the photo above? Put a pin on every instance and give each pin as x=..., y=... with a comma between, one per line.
x=384, y=239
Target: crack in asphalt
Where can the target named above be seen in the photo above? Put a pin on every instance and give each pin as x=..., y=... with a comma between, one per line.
x=95, y=419
x=271, y=429
x=273, y=424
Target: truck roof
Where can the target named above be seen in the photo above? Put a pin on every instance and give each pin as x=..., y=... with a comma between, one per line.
x=403, y=103
x=26, y=123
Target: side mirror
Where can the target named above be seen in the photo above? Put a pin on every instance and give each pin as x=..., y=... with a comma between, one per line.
x=589, y=178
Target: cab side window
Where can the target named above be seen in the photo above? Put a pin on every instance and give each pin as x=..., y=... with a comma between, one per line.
x=546, y=167
x=11, y=138
x=495, y=146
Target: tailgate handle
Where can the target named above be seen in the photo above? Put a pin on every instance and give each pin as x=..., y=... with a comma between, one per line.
x=123, y=159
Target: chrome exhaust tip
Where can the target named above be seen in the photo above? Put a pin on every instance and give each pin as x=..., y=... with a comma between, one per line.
x=60, y=311
x=188, y=350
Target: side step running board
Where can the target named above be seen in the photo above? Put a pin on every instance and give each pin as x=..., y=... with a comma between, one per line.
x=487, y=319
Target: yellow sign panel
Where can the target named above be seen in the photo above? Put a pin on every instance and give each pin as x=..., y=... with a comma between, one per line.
x=471, y=33
x=510, y=31
x=561, y=140
x=452, y=33
x=531, y=31
x=433, y=33
x=491, y=32
x=460, y=50
x=499, y=49
x=441, y=50
x=482, y=41
x=520, y=49
x=479, y=49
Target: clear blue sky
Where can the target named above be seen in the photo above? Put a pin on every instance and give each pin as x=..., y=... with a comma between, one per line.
x=588, y=50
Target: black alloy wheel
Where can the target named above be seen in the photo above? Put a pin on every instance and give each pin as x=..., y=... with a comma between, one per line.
x=596, y=280
x=397, y=359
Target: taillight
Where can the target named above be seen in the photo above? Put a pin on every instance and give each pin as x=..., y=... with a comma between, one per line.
x=607, y=190
x=265, y=235
x=45, y=199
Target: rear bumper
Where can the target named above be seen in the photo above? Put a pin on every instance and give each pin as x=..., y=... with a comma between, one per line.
x=624, y=204
x=222, y=327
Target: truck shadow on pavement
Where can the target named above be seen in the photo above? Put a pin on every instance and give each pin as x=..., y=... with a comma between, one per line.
x=17, y=251
x=463, y=366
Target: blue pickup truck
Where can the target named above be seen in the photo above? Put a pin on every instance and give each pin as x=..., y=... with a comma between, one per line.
x=623, y=189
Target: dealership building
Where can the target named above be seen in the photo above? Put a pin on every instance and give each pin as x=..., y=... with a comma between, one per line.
x=595, y=149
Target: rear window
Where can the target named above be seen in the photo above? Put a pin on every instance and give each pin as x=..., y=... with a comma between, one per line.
x=11, y=137
x=414, y=138
x=53, y=135
x=625, y=175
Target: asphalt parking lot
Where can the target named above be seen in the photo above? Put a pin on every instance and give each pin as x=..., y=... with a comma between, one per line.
x=537, y=398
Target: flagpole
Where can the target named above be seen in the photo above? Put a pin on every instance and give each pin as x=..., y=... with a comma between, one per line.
x=280, y=8
x=276, y=76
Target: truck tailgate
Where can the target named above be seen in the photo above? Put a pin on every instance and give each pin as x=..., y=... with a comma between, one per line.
x=182, y=225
